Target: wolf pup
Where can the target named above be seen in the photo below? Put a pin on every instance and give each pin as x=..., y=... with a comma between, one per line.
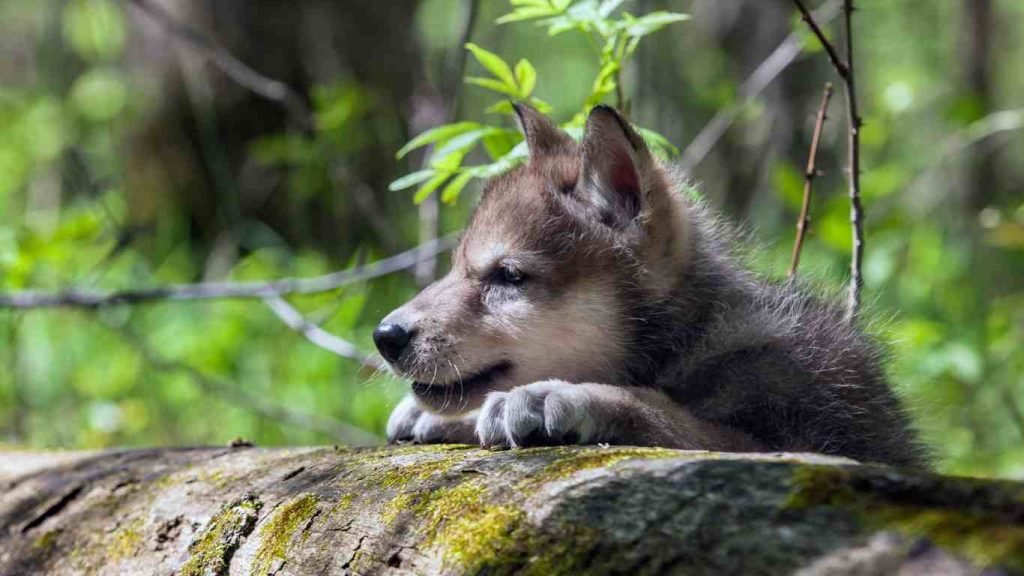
x=590, y=301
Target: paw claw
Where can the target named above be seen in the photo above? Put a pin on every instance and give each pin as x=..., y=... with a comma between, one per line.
x=490, y=425
x=539, y=414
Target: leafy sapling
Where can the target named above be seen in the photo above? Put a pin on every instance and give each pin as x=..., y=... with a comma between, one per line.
x=614, y=35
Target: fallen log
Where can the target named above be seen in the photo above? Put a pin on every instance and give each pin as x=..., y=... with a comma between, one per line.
x=460, y=510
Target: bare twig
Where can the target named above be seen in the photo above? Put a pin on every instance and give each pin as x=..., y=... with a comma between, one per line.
x=809, y=175
x=845, y=70
x=232, y=393
x=239, y=71
x=220, y=290
x=842, y=68
x=856, y=210
x=780, y=59
x=317, y=335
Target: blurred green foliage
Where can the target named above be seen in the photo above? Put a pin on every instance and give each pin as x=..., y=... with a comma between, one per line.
x=615, y=38
x=944, y=276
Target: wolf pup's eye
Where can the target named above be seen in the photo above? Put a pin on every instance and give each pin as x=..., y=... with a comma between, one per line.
x=510, y=275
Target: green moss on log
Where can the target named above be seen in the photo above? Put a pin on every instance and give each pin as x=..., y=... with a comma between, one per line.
x=974, y=530
x=483, y=530
x=277, y=532
x=210, y=553
x=572, y=459
x=390, y=468
x=125, y=541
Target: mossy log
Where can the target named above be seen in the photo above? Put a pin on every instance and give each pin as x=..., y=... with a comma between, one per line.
x=460, y=510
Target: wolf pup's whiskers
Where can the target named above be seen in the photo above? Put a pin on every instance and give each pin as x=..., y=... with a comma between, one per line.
x=590, y=301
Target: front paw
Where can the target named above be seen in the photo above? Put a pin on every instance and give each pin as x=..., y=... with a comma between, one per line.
x=539, y=414
x=410, y=423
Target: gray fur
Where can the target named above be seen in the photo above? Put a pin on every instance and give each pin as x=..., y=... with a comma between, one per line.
x=773, y=360
x=637, y=324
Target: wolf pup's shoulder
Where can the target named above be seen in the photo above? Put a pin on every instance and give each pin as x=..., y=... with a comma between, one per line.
x=780, y=360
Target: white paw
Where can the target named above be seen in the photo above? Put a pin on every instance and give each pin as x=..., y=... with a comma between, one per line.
x=542, y=413
x=402, y=420
x=410, y=423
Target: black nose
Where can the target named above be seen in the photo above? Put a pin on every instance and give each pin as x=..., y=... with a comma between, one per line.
x=391, y=339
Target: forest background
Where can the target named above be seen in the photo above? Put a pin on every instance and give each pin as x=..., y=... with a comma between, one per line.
x=146, y=144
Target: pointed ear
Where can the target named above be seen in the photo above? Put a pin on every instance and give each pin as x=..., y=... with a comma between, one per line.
x=615, y=162
x=543, y=137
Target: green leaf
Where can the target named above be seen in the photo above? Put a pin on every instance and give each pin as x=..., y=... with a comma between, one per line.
x=493, y=64
x=526, y=13
x=526, y=77
x=562, y=24
x=500, y=107
x=494, y=86
x=427, y=189
x=451, y=192
x=448, y=162
x=541, y=106
x=463, y=142
x=505, y=107
x=500, y=143
x=533, y=9
x=658, y=143
x=608, y=6
x=100, y=94
x=410, y=180
x=439, y=134
x=604, y=83
x=95, y=29
x=648, y=23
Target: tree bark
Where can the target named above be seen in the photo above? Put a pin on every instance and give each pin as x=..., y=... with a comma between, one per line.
x=460, y=510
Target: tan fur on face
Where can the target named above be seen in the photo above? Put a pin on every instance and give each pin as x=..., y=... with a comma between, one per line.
x=567, y=320
x=559, y=326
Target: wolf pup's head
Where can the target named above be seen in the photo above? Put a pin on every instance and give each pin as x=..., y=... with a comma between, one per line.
x=543, y=278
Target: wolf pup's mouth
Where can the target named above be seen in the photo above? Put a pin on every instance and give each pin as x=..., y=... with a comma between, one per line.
x=426, y=390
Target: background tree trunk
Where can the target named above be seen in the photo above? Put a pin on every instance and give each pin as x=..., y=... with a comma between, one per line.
x=458, y=510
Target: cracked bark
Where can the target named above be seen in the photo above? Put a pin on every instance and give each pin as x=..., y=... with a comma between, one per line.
x=458, y=510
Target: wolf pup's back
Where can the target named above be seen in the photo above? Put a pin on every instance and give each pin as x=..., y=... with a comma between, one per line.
x=590, y=301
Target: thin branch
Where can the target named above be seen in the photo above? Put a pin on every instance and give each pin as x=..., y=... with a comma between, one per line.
x=856, y=209
x=232, y=393
x=842, y=68
x=459, y=56
x=239, y=71
x=317, y=335
x=845, y=70
x=809, y=175
x=221, y=290
x=780, y=59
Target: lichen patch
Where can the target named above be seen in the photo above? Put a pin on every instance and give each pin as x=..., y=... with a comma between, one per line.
x=973, y=529
x=211, y=551
x=278, y=531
